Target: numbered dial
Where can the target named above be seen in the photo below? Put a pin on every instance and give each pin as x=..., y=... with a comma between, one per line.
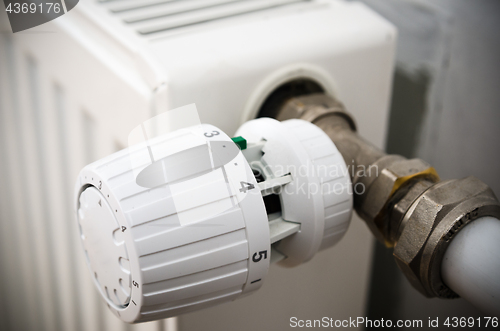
x=104, y=247
x=175, y=230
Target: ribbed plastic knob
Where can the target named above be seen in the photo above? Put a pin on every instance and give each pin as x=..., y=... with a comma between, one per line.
x=168, y=236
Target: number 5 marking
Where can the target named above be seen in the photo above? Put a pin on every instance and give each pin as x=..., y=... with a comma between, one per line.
x=262, y=254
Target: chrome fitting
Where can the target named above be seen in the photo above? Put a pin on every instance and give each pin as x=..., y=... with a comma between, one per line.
x=431, y=222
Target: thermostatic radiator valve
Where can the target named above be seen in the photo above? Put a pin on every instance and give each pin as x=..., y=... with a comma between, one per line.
x=193, y=218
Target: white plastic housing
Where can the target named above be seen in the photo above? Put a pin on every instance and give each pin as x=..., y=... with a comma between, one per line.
x=160, y=251
x=320, y=196
x=227, y=65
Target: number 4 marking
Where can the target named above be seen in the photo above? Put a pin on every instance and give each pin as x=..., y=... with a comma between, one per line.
x=246, y=186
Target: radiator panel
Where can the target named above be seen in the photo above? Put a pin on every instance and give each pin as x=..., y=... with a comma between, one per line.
x=49, y=131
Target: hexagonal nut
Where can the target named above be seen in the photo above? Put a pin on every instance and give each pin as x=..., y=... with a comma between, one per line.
x=395, y=174
x=431, y=222
x=419, y=223
x=401, y=202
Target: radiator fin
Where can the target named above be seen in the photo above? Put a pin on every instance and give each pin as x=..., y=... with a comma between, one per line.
x=153, y=16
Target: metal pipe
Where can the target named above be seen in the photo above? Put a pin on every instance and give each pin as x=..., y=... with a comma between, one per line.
x=404, y=203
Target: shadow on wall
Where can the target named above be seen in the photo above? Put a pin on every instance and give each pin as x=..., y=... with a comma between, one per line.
x=408, y=108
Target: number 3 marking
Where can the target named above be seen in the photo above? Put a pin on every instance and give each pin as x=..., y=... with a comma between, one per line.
x=211, y=134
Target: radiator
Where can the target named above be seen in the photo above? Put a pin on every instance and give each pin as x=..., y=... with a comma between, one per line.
x=47, y=135
x=72, y=89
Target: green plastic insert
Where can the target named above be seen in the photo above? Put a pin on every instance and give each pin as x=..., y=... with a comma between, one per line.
x=241, y=142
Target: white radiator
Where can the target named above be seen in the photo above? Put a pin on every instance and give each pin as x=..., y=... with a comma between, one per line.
x=72, y=89
x=47, y=136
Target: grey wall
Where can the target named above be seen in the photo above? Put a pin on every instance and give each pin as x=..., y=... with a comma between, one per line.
x=446, y=110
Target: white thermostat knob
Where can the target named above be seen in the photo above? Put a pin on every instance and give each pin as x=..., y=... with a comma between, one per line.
x=197, y=237
x=192, y=218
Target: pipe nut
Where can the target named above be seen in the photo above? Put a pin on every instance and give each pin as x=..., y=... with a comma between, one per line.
x=397, y=172
x=431, y=223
